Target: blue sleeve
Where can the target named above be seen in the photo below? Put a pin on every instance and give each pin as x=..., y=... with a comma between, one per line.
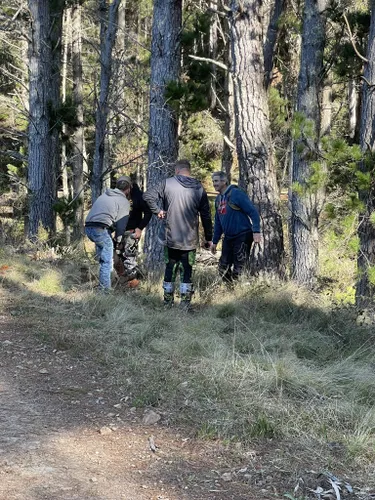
x=218, y=229
x=249, y=209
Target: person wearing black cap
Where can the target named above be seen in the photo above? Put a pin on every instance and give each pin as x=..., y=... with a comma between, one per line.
x=110, y=212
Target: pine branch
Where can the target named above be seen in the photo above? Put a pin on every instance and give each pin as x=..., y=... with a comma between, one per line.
x=352, y=40
x=210, y=61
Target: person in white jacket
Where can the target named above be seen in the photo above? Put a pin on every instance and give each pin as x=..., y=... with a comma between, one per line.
x=110, y=212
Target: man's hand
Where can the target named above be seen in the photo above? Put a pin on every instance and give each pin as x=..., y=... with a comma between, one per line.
x=207, y=245
x=162, y=214
x=257, y=237
x=213, y=248
x=137, y=233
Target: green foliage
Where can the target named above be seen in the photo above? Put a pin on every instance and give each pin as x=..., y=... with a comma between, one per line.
x=278, y=106
x=7, y=61
x=302, y=127
x=371, y=274
x=346, y=62
x=201, y=141
x=66, y=114
x=262, y=428
x=187, y=97
x=318, y=176
x=191, y=93
x=66, y=209
x=338, y=260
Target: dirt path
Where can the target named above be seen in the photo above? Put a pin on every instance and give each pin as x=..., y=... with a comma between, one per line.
x=66, y=434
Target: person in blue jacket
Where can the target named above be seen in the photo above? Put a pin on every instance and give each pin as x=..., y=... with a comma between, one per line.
x=238, y=220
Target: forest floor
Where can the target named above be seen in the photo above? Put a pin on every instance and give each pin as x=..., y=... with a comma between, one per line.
x=68, y=432
x=65, y=435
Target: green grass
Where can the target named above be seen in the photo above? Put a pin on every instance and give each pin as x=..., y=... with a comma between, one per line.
x=262, y=361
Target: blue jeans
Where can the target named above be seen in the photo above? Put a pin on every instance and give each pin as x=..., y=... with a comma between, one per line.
x=104, y=253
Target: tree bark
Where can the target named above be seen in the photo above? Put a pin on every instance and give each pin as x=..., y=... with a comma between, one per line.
x=163, y=136
x=365, y=289
x=213, y=56
x=228, y=143
x=44, y=100
x=353, y=100
x=307, y=199
x=108, y=38
x=326, y=107
x=270, y=43
x=253, y=133
x=78, y=138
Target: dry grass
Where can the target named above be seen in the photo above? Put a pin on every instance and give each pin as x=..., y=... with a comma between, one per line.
x=260, y=361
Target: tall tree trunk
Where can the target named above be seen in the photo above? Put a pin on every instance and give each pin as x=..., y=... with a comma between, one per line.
x=271, y=37
x=307, y=197
x=66, y=40
x=44, y=75
x=365, y=290
x=163, y=137
x=353, y=99
x=326, y=107
x=228, y=143
x=107, y=38
x=78, y=137
x=213, y=55
x=66, y=37
x=253, y=133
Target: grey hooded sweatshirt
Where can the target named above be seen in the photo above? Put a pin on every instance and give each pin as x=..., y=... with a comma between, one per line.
x=184, y=199
x=111, y=211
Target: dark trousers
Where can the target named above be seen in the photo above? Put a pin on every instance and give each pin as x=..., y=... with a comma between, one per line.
x=181, y=261
x=235, y=256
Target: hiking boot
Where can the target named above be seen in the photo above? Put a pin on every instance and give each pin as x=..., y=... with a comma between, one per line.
x=132, y=283
x=168, y=288
x=186, y=293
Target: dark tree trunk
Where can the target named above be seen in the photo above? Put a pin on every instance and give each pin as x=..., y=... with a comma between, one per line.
x=44, y=101
x=228, y=143
x=365, y=290
x=354, y=108
x=107, y=41
x=213, y=55
x=254, y=143
x=163, y=135
x=78, y=134
x=307, y=197
x=271, y=37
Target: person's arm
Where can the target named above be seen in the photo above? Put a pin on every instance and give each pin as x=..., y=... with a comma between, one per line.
x=205, y=214
x=147, y=214
x=153, y=196
x=121, y=219
x=249, y=209
x=120, y=228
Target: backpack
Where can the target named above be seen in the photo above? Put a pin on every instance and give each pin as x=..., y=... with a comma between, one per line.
x=232, y=205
